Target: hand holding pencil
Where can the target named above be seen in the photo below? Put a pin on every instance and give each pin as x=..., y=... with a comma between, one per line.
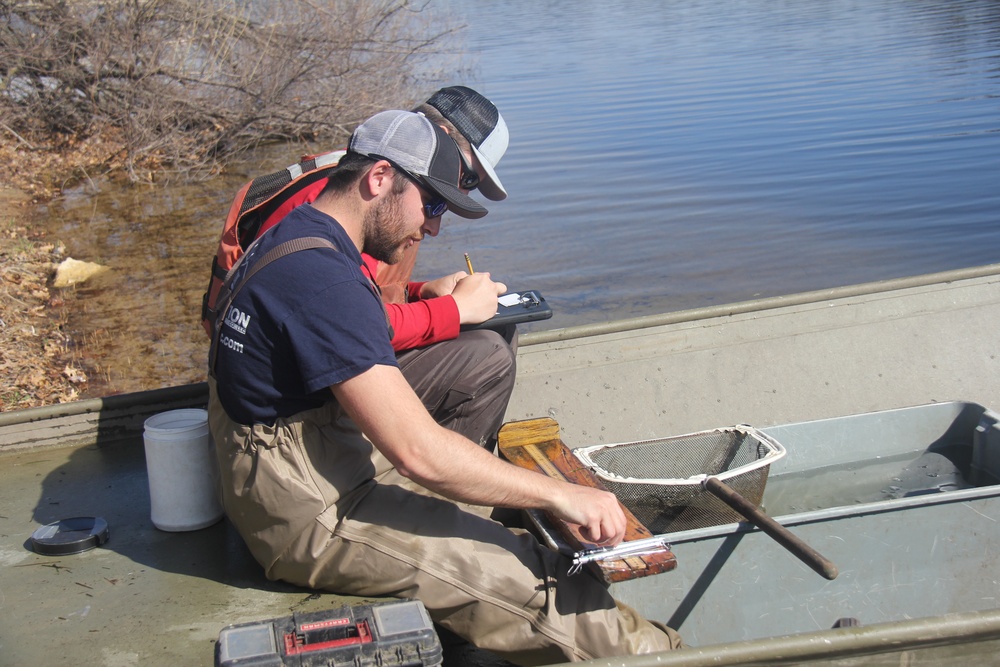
x=476, y=296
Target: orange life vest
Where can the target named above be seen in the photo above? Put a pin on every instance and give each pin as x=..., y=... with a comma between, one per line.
x=258, y=206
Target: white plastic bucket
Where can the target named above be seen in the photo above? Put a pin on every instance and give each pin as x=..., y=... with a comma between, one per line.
x=183, y=471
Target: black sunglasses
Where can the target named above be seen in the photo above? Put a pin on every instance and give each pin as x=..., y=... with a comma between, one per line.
x=470, y=177
x=434, y=208
x=437, y=206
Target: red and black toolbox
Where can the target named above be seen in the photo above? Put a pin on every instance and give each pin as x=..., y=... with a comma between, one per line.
x=397, y=633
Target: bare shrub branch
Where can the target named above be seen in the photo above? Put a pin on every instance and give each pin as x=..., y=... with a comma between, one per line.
x=186, y=84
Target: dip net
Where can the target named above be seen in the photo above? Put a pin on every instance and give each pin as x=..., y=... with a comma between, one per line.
x=660, y=481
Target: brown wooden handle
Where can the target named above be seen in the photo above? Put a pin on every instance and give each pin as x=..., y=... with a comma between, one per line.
x=779, y=533
x=535, y=444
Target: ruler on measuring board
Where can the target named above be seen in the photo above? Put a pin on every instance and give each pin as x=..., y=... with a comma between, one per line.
x=535, y=444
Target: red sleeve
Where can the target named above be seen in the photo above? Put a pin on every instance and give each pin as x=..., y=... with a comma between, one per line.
x=423, y=322
x=419, y=322
x=413, y=290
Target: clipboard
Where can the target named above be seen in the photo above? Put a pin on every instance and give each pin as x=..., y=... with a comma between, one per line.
x=514, y=308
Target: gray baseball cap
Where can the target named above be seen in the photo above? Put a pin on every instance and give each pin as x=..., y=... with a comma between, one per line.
x=480, y=122
x=421, y=149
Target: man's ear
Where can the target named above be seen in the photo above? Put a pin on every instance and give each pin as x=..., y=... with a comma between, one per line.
x=379, y=178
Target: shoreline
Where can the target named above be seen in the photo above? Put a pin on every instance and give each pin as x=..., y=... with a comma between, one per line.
x=37, y=360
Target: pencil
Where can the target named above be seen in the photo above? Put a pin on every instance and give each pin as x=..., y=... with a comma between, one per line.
x=468, y=263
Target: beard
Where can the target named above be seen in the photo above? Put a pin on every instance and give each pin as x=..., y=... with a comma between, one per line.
x=385, y=230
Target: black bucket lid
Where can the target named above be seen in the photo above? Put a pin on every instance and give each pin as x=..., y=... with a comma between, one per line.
x=70, y=536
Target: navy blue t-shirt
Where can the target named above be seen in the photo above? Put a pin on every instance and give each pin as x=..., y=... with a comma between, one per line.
x=308, y=320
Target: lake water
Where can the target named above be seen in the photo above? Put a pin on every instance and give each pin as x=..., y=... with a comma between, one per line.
x=663, y=156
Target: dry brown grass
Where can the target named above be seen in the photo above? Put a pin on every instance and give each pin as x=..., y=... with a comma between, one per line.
x=36, y=360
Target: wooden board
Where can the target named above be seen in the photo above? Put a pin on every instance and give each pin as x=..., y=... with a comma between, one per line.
x=535, y=444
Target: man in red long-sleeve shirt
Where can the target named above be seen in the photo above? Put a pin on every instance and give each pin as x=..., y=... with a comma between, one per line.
x=464, y=378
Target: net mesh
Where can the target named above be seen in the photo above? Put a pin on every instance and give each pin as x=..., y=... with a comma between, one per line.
x=659, y=481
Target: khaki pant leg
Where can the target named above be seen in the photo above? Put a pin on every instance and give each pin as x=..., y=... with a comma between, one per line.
x=465, y=383
x=497, y=588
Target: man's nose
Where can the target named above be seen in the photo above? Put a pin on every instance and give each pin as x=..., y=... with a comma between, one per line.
x=432, y=226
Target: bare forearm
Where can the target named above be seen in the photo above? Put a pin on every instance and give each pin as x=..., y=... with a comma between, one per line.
x=457, y=468
x=391, y=415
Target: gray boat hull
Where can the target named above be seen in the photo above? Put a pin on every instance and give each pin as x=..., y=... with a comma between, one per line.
x=928, y=554
x=153, y=598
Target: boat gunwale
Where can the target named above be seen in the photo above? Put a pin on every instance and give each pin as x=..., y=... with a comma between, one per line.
x=839, y=512
x=768, y=303
x=894, y=637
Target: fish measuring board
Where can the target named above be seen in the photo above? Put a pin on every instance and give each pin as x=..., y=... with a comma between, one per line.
x=535, y=444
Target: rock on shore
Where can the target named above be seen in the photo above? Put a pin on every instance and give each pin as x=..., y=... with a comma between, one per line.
x=72, y=271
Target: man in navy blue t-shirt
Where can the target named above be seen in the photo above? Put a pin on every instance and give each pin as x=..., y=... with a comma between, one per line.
x=333, y=471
